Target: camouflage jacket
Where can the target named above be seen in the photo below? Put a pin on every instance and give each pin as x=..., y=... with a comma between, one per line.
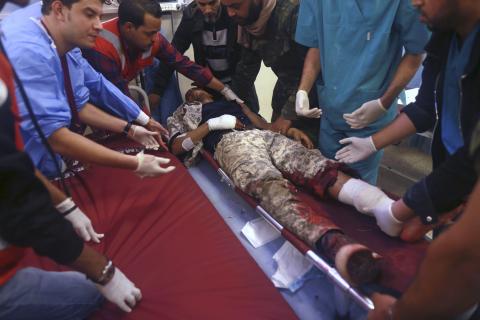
x=278, y=50
x=186, y=118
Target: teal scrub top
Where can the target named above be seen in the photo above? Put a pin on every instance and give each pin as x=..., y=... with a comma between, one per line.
x=361, y=44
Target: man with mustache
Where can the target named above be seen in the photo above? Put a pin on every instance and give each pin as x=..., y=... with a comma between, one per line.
x=129, y=43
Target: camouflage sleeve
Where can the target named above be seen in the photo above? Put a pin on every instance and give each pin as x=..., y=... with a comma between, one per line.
x=246, y=72
x=475, y=148
x=175, y=124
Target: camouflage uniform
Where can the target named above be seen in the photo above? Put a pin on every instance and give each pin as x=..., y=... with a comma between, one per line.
x=279, y=51
x=259, y=163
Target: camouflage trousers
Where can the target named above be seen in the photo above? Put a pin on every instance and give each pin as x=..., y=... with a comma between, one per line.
x=264, y=165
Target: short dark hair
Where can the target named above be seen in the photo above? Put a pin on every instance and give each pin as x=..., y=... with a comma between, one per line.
x=190, y=95
x=47, y=4
x=134, y=11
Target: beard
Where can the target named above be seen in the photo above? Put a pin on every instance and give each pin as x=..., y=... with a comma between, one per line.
x=447, y=19
x=253, y=14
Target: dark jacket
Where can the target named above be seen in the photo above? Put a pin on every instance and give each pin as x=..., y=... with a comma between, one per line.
x=453, y=176
x=279, y=51
x=190, y=32
x=27, y=215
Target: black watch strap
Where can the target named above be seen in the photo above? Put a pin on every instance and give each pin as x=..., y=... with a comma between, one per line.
x=127, y=128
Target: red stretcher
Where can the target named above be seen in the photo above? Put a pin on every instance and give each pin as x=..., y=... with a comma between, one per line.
x=400, y=260
x=164, y=234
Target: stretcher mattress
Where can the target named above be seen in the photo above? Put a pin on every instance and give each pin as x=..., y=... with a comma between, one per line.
x=164, y=234
x=400, y=260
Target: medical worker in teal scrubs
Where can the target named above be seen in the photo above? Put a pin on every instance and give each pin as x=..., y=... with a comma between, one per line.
x=366, y=52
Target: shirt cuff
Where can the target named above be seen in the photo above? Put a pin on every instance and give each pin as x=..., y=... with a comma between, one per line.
x=142, y=118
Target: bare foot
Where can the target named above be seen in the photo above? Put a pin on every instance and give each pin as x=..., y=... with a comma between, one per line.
x=357, y=264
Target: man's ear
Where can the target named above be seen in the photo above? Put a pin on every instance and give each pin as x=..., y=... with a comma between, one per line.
x=58, y=10
x=128, y=26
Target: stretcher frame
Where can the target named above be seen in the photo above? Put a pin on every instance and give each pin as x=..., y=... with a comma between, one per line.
x=311, y=255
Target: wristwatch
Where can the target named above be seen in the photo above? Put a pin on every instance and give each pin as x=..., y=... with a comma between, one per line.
x=127, y=128
x=106, y=275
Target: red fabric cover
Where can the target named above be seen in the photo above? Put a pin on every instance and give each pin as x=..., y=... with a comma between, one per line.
x=400, y=261
x=164, y=234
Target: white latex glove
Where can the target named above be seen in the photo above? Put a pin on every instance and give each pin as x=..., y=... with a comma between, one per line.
x=81, y=223
x=366, y=114
x=145, y=137
x=302, y=106
x=356, y=149
x=230, y=95
x=150, y=166
x=385, y=219
x=224, y=122
x=121, y=291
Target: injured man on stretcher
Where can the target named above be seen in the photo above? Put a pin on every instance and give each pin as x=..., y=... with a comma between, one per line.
x=266, y=165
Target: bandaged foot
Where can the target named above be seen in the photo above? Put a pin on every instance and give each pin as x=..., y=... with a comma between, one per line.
x=372, y=201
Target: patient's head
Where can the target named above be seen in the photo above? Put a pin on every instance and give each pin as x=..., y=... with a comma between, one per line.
x=197, y=94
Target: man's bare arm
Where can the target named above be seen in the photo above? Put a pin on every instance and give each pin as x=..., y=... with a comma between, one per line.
x=97, y=118
x=405, y=71
x=400, y=128
x=257, y=121
x=311, y=69
x=75, y=146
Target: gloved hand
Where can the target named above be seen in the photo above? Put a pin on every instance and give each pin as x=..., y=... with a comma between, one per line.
x=356, y=149
x=224, y=122
x=150, y=166
x=81, y=223
x=302, y=106
x=230, y=95
x=366, y=114
x=385, y=218
x=121, y=291
x=145, y=137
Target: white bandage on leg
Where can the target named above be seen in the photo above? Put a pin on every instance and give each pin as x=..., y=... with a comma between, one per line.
x=350, y=190
x=372, y=201
x=187, y=144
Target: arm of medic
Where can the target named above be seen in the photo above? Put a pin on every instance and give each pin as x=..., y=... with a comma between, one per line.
x=246, y=72
x=75, y=146
x=371, y=111
x=115, y=100
x=28, y=219
x=81, y=223
x=417, y=117
x=169, y=55
x=447, y=283
x=311, y=70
